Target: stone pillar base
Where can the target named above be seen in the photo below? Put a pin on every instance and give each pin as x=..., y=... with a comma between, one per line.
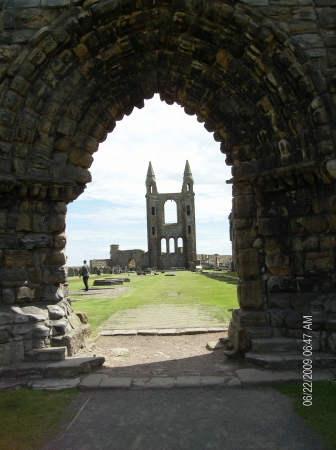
x=24, y=328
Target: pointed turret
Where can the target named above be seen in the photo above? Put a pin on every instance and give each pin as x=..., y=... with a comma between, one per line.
x=150, y=180
x=188, y=181
x=187, y=170
x=150, y=172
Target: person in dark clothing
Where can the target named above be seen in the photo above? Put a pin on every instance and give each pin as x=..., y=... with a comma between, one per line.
x=85, y=272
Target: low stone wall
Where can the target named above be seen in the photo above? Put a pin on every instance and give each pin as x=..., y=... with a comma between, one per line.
x=24, y=328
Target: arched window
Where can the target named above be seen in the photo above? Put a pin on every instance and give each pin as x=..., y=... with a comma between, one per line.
x=170, y=211
x=171, y=245
x=188, y=210
x=179, y=245
x=188, y=187
x=163, y=246
x=131, y=264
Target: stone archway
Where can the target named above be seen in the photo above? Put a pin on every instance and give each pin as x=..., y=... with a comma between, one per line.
x=131, y=265
x=263, y=84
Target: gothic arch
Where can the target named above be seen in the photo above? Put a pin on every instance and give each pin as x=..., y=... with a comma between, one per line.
x=263, y=91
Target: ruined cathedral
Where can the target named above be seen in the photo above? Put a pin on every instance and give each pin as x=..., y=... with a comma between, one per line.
x=170, y=244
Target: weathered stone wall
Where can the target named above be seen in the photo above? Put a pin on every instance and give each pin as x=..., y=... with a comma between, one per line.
x=260, y=75
x=122, y=258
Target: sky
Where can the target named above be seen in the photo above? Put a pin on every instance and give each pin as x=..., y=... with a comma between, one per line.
x=112, y=209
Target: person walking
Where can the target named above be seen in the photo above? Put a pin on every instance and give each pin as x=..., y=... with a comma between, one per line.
x=85, y=272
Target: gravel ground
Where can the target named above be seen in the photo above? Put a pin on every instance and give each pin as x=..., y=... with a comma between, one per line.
x=148, y=356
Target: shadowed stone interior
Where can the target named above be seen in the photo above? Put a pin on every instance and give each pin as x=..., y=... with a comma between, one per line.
x=260, y=76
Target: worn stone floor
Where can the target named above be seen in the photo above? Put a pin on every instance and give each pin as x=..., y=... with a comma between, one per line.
x=165, y=316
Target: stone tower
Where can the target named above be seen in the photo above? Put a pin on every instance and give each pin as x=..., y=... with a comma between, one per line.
x=171, y=244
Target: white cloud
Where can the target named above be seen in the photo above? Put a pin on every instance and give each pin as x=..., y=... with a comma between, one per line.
x=112, y=210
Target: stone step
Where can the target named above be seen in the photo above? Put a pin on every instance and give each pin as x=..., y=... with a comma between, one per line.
x=68, y=368
x=291, y=360
x=46, y=354
x=275, y=344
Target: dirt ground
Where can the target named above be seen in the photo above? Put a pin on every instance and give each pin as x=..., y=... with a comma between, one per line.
x=152, y=356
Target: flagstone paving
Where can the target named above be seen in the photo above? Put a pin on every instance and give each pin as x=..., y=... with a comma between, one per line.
x=166, y=316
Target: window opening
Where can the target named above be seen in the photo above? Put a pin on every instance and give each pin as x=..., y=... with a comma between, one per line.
x=153, y=210
x=179, y=245
x=163, y=246
x=188, y=210
x=188, y=186
x=153, y=231
x=172, y=245
x=170, y=211
x=189, y=229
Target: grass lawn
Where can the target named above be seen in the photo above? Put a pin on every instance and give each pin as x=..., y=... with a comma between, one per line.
x=321, y=416
x=29, y=418
x=153, y=289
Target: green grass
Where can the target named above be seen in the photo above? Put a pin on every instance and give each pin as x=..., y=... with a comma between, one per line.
x=153, y=289
x=29, y=418
x=321, y=416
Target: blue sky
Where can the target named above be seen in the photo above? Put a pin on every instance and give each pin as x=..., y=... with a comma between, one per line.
x=112, y=209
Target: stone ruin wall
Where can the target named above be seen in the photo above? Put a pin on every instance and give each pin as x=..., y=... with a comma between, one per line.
x=260, y=75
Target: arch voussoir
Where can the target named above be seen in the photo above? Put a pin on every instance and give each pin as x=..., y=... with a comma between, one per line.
x=256, y=85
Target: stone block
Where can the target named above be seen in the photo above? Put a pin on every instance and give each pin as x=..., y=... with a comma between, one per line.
x=20, y=222
x=112, y=383
x=259, y=332
x=52, y=293
x=55, y=312
x=83, y=317
x=34, y=275
x=275, y=344
x=60, y=327
x=18, y=258
x=330, y=306
x=8, y=296
x=59, y=240
x=13, y=277
x=80, y=158
x=78, y=174
x=276, y=318
x=331, y=342
x=35, y=314
x=314, y=224
x=250, y=294
x=56, y=258
x=250, y=318
x=281, y=284
x=278, y=264
x=237, y=336
x=330, y=323
x=272, y=226
x=35, y=240
x=252, y=377
x=327, y=17
x=74, y=340
x=248, y=263
x=22, y=331
x=279, y=301
x=25, y=294
x=53, y=274
x=294, y=319
x=11, y=352
x=244, y=206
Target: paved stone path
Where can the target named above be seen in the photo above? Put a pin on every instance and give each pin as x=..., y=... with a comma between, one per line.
x=165, y=317
x=185, y=419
